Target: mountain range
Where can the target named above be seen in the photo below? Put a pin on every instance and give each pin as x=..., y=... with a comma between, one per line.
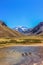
x=5, y=31
x=31, y=31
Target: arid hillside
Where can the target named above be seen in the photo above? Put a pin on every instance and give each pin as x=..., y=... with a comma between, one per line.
x=5, y=31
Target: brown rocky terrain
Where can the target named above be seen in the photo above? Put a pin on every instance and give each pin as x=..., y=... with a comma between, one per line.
x=5, y=31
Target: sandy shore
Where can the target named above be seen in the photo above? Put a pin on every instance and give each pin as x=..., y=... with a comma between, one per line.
x=10, y=45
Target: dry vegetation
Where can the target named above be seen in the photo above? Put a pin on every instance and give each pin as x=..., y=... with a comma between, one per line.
x=24, y=40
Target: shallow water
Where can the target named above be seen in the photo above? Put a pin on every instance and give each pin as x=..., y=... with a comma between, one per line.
x=21, y=55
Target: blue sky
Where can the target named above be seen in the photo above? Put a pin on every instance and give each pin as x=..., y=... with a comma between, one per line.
x=21, y=12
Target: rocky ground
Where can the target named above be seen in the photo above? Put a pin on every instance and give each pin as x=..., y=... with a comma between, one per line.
x=21, y=56
x=32, y=59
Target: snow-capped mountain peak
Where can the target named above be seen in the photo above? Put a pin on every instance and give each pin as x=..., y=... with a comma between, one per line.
x=20, y=28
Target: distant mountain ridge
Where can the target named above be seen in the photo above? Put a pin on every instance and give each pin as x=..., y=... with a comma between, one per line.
x=31, y=31
x=21, y=29
x=5, y=31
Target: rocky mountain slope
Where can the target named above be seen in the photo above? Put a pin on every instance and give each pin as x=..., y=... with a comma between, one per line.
x=5, y=31
x=37, y=30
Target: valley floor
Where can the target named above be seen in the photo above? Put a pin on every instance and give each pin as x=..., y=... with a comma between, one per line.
x=22, y=41
x=11, y=45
